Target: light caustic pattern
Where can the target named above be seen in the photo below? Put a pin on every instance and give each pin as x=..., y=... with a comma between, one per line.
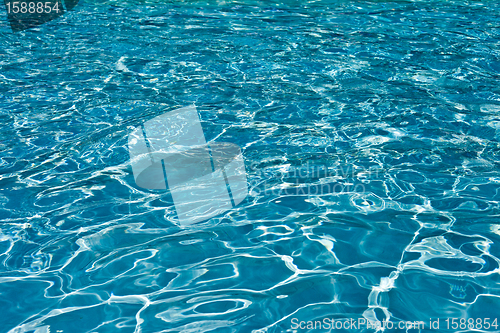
x=400, y=97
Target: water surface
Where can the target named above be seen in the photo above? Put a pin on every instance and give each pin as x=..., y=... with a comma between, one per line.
x=396, y=102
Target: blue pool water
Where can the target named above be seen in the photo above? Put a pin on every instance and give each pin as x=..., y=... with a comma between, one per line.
x=370, y=134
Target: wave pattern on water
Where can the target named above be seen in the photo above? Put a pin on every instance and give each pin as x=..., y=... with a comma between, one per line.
x=370, y=135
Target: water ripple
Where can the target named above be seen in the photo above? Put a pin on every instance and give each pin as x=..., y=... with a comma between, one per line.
x=370, y=136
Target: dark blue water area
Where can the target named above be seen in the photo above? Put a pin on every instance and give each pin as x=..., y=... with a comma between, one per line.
x=370, y=136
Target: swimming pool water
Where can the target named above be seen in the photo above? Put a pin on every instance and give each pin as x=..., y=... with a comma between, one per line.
x=370, y=134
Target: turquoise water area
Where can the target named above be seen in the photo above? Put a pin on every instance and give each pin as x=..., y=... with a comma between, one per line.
x=370, y=134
